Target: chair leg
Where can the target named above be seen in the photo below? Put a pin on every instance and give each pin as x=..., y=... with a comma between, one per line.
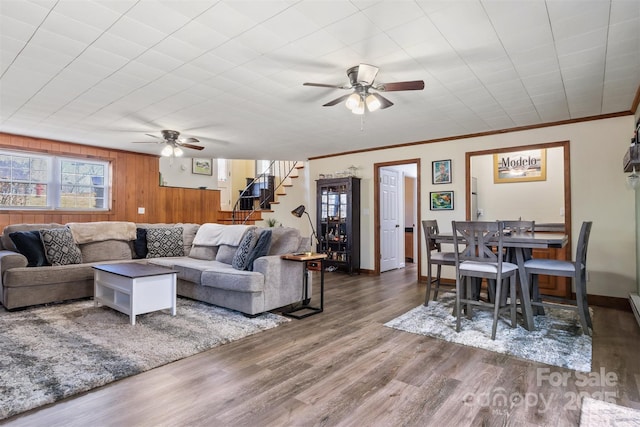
x=583, y=308
x=469, y=291
x=426, y=299
x=496, y=309
x=535, y=295
x=438, y=272
x=512, y=301
x=459, y=294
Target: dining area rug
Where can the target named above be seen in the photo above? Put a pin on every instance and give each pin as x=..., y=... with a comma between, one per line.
x=598, y=413
x=557, y=339
x=56, y=351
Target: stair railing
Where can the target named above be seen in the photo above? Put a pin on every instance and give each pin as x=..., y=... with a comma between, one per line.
x=263, y=187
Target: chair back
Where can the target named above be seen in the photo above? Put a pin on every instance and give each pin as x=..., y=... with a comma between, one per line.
x=480, y=237
x=583, y=244
x=430, y=228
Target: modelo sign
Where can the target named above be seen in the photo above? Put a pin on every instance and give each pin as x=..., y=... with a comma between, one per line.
x=520, y=166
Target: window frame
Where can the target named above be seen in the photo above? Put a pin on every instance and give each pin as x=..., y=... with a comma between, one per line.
x=54, y=181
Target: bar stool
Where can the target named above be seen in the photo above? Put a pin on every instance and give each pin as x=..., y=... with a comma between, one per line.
x=437, y=258
x=575, y=269
x=478, y=260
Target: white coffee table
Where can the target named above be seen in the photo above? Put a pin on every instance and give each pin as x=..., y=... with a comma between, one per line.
x=133, y=288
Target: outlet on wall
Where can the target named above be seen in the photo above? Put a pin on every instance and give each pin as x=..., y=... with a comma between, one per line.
x=141, y=211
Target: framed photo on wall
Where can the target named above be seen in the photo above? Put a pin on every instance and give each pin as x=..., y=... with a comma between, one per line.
x=441, y=200
x=520, y=166
x=441, y=172
x=201, y=166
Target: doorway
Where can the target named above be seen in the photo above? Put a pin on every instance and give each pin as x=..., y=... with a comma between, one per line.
x=396, y=214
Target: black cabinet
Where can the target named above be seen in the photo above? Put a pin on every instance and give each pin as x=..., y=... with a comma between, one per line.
x=338, y=222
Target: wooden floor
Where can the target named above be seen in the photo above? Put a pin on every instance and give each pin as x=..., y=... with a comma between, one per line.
x=343, y=367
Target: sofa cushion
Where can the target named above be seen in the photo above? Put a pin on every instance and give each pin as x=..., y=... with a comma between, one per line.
x=107, y=250
x=30, y=245
x=188, y=269
x=226, y=253
x=284, y=240
x=203, y=252
x=164, y=242
x=260, y=249
x=227, y=277
x=140, y=244
x=59, y=246
x=241, y=257
x=6, y=240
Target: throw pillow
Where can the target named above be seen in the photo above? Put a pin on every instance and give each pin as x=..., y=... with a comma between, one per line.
x=241, y=256
x=284, y=240
x=260, y=249
x=59, y=246
x=140, y=244
x=164, y=242
x=28, y=243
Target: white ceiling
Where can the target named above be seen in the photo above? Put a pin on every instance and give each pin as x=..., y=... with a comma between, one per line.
x=105, y=72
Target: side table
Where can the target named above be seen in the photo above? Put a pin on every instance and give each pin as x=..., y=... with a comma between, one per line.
x=306, y=258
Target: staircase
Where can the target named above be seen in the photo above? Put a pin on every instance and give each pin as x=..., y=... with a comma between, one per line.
x=262, y=192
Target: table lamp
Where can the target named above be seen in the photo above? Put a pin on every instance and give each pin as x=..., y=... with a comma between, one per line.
x=298, y=212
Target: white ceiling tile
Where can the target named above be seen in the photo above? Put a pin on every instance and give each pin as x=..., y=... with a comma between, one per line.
x=81, y=14
x=353, y=29
x=24, y=11
x=16, y=29
x=261, y=40
x=226, y=20
x=157, y=16
x=325, y=13
x=387, y=15
x=200, y=36
x=136, y=32
x=118, y=46
x=569, y=18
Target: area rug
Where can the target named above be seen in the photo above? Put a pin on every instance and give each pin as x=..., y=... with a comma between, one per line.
x=598, y=413
x=52, y=352
x=557, y=339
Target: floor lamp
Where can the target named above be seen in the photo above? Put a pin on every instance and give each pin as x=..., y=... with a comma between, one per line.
x=298, y=212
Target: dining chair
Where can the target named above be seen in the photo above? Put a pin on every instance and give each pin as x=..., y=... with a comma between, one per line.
x=478, y=260
x=435, y=257
x=576, y=269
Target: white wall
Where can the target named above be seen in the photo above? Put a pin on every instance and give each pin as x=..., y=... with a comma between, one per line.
x=598, y=191
x=176, y=172
x=522, y=199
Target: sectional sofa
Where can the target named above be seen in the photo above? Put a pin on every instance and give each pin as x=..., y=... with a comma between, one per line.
x=234, y=266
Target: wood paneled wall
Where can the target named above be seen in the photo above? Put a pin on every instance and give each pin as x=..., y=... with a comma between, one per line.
x=134, y=184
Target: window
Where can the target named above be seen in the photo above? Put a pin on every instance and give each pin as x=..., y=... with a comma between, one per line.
x=32, y=181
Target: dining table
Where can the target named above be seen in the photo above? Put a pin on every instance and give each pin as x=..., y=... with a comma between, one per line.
x=520, y=242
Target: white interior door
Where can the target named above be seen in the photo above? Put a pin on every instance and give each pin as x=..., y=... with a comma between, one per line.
x=389, y=219
x=224, y=184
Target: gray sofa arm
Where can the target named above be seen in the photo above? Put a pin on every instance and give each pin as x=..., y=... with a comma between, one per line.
x=282, y=280
x=10, y=259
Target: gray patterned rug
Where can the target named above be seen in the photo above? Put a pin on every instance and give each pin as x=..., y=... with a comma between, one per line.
x=557, y=339
x=49, y=353
x=597, y=413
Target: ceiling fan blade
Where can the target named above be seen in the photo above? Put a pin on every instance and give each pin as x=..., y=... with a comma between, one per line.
x=194, y=147
x=152, y=136
x=189, y=140
x=396, y=86
x=337, y=100
x=146, y=142
x=367, y=73
x=326, y=85
x=384, y=102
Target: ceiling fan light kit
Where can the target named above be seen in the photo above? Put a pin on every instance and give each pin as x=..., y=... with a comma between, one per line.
x=361, y=78
x=173, y=144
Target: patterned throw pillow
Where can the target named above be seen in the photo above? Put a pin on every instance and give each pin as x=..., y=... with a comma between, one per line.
x=241, y=257
x=261, y=248
x=164, y=242
x=59, y=246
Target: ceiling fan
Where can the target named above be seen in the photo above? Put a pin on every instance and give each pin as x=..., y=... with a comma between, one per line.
x=173, y=143
x=363, y=97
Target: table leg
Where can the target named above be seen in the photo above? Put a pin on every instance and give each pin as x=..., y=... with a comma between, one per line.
x=525, y=296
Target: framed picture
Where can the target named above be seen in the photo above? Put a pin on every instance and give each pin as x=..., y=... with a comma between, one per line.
x=201, y=166
x=520, y=166
x=441, y=200
x=441, y=172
